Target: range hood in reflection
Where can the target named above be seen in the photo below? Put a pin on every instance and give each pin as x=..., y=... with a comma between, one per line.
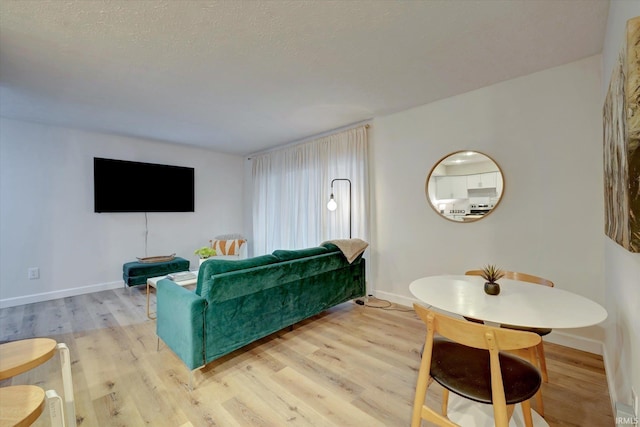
x=483, y=192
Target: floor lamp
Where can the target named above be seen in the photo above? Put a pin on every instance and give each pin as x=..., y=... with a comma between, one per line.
x=332, y=205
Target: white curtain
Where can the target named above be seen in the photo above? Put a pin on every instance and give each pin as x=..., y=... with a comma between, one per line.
x=291, y=188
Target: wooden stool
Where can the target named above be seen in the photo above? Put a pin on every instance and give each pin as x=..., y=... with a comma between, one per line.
x=17, y=357
x=20, y=405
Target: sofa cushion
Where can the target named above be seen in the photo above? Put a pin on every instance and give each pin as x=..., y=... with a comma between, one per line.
x=236, y=284
x=227, y=247
x=330, y=247
x=215, y=266
x=287, y=255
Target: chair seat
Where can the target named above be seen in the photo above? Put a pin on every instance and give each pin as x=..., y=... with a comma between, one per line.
x=471, y=319
x=466, y=372
x=540, y=331
x=21, y=405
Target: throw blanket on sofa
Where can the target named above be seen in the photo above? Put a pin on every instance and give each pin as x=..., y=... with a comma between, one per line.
x=351, y=248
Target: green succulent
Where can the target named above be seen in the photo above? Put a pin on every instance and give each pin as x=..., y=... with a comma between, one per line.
x=491, y=273
x=205, y=252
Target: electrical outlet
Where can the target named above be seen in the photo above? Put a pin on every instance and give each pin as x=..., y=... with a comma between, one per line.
x=33, y=273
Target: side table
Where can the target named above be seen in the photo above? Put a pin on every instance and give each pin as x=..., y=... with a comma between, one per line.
x=153, y=283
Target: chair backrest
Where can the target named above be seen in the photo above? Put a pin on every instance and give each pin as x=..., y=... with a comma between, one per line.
x=474, y=334
x=513, y=275
x=478, y=336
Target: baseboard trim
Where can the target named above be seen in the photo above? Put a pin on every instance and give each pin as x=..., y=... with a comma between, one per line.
x=575, y=341
x=613, y=394
x=557, y=337
x=46, y=296
x=397, y=299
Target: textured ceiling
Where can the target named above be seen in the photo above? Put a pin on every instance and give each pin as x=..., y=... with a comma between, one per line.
x=243, y=76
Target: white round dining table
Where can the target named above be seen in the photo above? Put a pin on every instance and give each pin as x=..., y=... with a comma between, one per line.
x=519, y=303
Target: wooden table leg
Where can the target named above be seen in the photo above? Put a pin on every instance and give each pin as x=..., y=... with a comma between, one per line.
x=148, y=314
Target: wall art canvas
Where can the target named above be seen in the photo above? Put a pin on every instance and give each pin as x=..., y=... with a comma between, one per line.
x=621, y=116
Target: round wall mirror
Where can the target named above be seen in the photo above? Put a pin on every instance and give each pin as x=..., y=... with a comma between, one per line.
x=465, y=186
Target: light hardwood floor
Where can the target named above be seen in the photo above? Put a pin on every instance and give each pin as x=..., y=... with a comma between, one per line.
x=349, y=366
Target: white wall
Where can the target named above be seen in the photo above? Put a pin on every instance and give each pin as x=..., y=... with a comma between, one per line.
x=545, y=132
x=47, y=218
x=622, y=268
x=248, y=202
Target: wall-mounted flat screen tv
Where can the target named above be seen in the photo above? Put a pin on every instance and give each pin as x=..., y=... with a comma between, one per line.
x=125, y=186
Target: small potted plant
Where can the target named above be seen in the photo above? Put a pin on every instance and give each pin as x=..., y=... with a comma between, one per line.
x=204, y=253
x=492, y=274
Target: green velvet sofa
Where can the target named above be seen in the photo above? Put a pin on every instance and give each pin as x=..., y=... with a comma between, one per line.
x=238, y=302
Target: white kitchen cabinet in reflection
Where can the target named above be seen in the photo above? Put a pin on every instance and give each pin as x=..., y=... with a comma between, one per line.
x=451, y=187
x=482, y=180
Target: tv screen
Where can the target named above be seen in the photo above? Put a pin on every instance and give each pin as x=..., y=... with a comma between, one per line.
x=124, y=186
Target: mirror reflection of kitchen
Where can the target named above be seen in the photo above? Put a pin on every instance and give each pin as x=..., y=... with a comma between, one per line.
x=465, y=186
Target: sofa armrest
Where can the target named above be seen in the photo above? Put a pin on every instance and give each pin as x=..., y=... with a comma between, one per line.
x=180, y=322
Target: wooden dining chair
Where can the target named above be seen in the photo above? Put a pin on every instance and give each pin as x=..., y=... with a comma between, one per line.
x=466, y=358
x=522, y=277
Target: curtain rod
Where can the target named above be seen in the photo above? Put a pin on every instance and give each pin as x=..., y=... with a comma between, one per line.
x=311, y=138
